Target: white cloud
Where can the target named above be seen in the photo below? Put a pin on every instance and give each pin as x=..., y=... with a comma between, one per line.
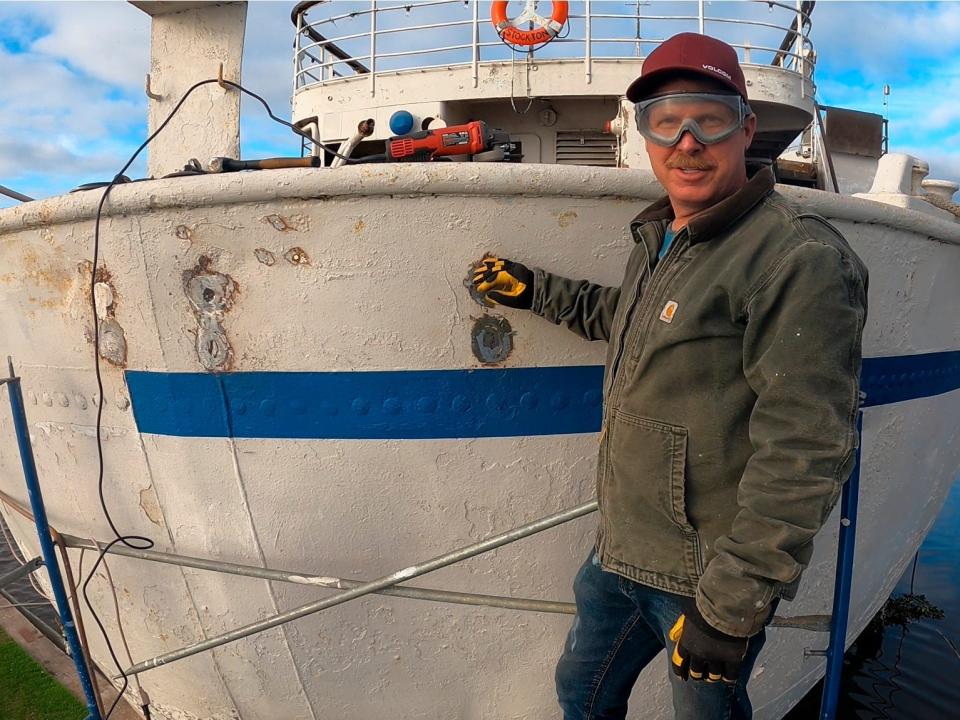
x=887, y=41
x=72, y=107
x=106, y=40
x=65, y=113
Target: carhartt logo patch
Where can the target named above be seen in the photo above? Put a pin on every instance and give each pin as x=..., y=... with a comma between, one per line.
x=669, y=310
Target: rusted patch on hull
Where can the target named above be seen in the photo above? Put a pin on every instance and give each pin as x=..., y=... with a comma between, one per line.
x=264, y=256
x=113, y=342
x=292, y=223
x=297, y=256
x=491, y=339
x=112, y=338
x=43, y=273
x=211, y=295
x=277, y=222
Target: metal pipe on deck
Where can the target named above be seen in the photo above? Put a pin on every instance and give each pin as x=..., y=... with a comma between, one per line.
x=14, y=194
x=386, y=581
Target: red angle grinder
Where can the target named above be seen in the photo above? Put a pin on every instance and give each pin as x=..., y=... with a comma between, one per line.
x=474, y=139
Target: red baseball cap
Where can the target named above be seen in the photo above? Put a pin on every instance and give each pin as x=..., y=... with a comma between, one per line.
x=689, y=53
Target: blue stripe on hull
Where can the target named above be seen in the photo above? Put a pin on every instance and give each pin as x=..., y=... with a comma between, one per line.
x=405, y=404
x=888, y=380
x=420, y=404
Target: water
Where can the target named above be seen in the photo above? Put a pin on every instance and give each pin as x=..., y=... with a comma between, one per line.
x=909, y=673
x=894, y=673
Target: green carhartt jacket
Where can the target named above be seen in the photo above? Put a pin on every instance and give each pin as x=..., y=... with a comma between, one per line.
x=730, y=398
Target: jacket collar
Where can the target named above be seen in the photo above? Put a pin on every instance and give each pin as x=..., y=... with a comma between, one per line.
x=707, y=224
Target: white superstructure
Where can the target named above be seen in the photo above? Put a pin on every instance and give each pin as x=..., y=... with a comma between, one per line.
x=297, y=377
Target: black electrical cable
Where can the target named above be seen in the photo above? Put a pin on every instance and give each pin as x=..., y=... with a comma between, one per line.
x=139, y=542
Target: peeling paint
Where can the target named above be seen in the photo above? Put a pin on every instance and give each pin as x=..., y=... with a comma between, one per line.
x=478, y=298
x=184, y=233
x=491, y=339
x=211, y=294
x=88, y=431
x=265, y=256
x=278, y=222
x=103, y=299
x=297, y=256
x=113, y=342
x=150, y=505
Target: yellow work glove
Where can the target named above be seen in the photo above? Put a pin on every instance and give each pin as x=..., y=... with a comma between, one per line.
x=701, y=652
x=504, y=282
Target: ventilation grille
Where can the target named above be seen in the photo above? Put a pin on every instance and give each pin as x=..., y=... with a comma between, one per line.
x=586, y=147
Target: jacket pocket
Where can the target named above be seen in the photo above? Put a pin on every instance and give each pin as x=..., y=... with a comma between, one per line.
x=643, y=498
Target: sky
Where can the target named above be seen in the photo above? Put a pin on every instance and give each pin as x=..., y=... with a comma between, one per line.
x=73, y=108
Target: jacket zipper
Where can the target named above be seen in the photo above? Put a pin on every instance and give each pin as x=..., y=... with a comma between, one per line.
x=654, y=276
x=629, y=315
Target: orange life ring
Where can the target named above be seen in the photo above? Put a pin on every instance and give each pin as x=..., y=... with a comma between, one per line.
x=545, y=31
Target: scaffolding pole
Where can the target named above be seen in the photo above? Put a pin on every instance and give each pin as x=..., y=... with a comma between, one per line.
x=325, y=581
x=843, y=583
x=46, y=543
x=386, y=581
x=811, y=623
x=21, y=572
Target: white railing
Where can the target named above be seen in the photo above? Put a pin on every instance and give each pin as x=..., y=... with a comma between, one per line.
x=371, y=37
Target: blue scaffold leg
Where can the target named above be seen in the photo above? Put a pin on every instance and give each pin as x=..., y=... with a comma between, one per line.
x=844, y=579
x=46, y=543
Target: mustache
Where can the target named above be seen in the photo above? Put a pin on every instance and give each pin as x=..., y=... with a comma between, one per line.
x=688, y=162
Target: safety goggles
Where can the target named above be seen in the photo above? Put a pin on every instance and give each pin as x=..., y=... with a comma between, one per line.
x=709, y=117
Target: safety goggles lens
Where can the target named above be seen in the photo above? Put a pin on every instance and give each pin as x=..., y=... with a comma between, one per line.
x=709, y=117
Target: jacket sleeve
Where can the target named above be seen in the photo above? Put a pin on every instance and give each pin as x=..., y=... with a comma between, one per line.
x=802, y=357
x=584, y=307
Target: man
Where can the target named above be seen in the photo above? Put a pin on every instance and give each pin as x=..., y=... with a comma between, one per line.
x=730, y=398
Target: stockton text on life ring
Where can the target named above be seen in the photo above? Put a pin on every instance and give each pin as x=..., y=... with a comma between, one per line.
x=546, y=28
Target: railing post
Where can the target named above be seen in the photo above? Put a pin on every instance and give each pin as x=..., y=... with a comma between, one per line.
x=296, y=53
x=46, y=543
x=588, y=44
x=476, y=43
x=700, y=13
x=844, y=579
x=798, y=61
x=373, y=47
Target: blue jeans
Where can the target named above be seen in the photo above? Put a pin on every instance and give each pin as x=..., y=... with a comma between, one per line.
x=620, y=626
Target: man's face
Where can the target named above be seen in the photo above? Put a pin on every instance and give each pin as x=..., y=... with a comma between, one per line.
x=697, y=175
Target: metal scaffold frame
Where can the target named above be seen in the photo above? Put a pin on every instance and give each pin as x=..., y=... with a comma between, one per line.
x=46, y=541
x=835, y=624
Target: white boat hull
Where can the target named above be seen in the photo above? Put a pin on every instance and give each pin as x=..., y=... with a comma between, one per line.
x=367, y=275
